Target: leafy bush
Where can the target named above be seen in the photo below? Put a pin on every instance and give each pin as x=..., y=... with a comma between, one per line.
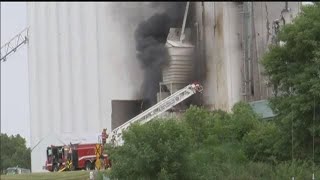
x=156, y=149
x=204, y=145
x=200, y=122
x=244, y=119
x=213, y=161
x=293, y=71
x=14, y=152
x=260, y=143
x=299, y=169
x=247, y=171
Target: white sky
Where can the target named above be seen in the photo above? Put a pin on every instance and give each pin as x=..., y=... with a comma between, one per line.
x=15, y=117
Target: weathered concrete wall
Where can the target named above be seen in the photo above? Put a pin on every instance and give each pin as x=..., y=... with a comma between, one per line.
x=220, y=33
x=264, y=13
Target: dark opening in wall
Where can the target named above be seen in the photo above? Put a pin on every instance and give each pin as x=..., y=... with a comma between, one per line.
x=124, y=110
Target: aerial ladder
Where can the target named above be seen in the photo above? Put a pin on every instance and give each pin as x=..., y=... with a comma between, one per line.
x=16, y=42
x=154, y=111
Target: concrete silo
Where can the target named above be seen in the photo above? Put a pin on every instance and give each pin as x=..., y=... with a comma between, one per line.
x=219, y=38
x=83, y=71
x=233, y=37
x=84, y=75
x=265, y=16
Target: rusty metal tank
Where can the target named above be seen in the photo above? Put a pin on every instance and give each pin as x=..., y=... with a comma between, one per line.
x=177, y=73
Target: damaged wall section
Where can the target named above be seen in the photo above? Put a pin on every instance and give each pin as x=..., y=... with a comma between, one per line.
x=264, y=16
x=220, y=43
x=124, y=110
x=223, y=44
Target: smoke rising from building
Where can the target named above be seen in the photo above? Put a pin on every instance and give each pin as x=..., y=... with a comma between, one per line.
x=150, y=37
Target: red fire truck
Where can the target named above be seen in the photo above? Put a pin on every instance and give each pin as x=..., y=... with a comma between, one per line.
x=76, y=156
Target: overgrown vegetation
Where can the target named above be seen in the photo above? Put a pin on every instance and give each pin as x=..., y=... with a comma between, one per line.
x=294, y=72
x=206, y=145
x=240, y=145
x=66, y=175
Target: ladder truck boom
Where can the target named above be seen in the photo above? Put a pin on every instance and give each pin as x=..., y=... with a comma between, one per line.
x=154, y=111
x=12, y=46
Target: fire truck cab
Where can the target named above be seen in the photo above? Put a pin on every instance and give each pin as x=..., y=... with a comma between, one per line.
x=55, y=158
x=76, y=156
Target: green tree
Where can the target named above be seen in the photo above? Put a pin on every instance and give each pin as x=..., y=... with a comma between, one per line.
x=261, y=143
x=244, y=119
x=14, y=152
x=203, y=145
x=157, y=149
x=200, y=123
x=294, y=72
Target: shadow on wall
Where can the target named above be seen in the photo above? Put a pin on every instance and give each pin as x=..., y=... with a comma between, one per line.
x=124, y=110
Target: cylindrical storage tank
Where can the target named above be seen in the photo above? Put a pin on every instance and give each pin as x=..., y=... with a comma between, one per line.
x=177, y=73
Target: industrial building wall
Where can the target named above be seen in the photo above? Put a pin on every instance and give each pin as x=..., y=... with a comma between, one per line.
x=81, y=56
x=220, y=28
x=264, y=14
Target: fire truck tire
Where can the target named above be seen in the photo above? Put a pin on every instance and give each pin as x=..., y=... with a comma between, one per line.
x=72, y=168
x=88, y=166
x=55, y=168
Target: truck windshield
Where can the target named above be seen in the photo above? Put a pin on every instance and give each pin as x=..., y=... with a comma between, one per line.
x=49, y=151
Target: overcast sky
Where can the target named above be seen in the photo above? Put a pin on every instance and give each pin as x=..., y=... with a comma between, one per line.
x=15, y=117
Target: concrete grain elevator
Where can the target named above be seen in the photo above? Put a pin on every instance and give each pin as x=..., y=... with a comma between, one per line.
x=84, y=73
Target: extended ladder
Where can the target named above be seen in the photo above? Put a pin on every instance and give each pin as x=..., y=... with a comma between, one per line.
x=14, y=44
x=152, y=112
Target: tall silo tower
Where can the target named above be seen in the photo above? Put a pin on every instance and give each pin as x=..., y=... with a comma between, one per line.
x=84, y=75
x=233, y=37
x=83, y=71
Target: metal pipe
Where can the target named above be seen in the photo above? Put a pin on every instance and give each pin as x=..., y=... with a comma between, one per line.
x=197, y=34
x=184, y=22
x=249, y=47
x=245, y=46
x=159, y=92
x=203, y=54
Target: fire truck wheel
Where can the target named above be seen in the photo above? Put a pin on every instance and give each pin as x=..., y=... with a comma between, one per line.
x=72, y=168
x=55, y=168
x=88, y=166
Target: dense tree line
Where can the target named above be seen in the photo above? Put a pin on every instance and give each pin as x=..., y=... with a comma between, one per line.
x=294, y=73
x=241, y=145
x=206, y=145
x=14, y=152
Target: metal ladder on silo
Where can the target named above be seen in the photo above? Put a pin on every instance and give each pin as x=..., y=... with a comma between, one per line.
x=16, y=42
x=154, y=111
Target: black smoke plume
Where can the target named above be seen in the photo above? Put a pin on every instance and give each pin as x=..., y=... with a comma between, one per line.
x=150, y=37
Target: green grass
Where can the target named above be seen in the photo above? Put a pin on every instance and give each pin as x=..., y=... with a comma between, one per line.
x=71, y=175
